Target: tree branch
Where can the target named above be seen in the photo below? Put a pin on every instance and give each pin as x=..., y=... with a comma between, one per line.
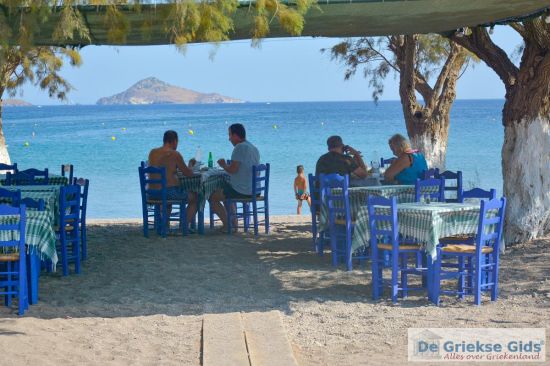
x=446, y=72
x=407, y=74
x=518, y=28
x=480, y=44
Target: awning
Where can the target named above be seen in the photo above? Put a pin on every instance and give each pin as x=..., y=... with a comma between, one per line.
x=333, y=18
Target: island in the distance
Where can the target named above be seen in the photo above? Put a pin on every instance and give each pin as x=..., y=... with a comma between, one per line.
x=15, y=103
x=155, y=91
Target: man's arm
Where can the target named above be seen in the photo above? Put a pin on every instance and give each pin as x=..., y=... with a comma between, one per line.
x=231, y=168
x=180, y=164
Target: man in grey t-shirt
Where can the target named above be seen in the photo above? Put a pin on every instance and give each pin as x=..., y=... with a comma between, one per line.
x=244, y=156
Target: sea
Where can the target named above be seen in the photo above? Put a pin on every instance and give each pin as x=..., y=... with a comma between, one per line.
x=107, y=143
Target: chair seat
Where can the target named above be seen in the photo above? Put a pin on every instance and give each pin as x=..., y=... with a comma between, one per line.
x=343, y=222
x=11, y=257
x=67, y=228
x=401, y=246
x=247, y=199
x=464, y=248
x=460, y=238
x=159, y=202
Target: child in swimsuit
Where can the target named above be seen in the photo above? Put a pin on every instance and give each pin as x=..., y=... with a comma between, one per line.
x=300, y=189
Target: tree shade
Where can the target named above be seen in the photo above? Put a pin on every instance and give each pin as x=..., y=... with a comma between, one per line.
x=330, y=18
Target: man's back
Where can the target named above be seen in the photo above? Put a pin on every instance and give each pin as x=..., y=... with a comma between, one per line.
x=161, y=157
x=247, y=155
x=335, y=163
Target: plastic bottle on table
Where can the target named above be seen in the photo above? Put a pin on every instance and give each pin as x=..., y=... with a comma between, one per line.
x=198, y=155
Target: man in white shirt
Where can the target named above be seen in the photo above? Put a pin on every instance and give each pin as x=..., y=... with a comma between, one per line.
x=244, y=156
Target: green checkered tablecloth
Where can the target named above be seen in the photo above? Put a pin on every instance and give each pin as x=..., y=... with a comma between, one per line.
x=50, y=195
x=53, y=180
x=426, y=222
x=358, y=198
x=204, y=184
x=39, y=234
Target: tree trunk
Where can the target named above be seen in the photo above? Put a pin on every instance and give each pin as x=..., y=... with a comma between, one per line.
x=526, y=149
x=4, y=154
x=430, y=134
x=526, y=171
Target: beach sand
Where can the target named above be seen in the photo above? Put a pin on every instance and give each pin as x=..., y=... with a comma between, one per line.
x=142, y=301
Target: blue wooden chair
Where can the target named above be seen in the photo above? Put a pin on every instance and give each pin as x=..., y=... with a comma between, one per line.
x=11, y=197
x=484, y=256
x=431, y=173
x=7, y=167
x=382, y=225
x=39, y=176
x=475, y=193
x=430, y=189
x=335, y=192
x=69, y=224
x=13, y=273
x=315, y=194
x=260, y=193
x=19, y=178
x=83, y=184
x=384, y=162
x=38, y=205
x=155, y=202
x=67, y=170
x=455, y=188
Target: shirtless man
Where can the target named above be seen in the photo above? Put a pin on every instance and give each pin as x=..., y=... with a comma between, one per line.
x=168, y=157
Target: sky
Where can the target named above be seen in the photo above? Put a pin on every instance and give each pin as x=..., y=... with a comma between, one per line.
x=282, y=69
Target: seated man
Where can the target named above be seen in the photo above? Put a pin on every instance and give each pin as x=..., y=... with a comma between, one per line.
x=166, y=156
x=409, y=165
x=337, y=160
x=244, y=156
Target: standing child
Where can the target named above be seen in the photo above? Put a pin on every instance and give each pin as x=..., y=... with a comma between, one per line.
x=300, y=189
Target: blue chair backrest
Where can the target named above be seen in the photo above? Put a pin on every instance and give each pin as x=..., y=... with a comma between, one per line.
x=260, y=180
x=480, y=193
x=491, y=222
x=67, y=169
x=153, y=183
x=69, y=205
x=455, y=188
x=35, y=204
x=12, y=168
x=315, y=192
x=19, y=178
x=431, y=173
x=83, y=184
x=6, y=210
x=431, y=188
x=14, y=197
x=28, y=177
x=337, y=200
x=383, y=220
x=384, y=162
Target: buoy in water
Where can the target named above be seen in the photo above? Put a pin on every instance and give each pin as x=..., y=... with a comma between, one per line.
x=113, y=138
x=26, y=144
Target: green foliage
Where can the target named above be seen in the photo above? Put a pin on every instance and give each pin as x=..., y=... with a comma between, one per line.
x=378, y=57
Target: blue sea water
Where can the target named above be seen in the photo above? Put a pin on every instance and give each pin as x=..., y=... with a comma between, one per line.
x=287, y=134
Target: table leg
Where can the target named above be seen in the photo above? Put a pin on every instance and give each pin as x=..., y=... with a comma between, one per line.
x=201, y=222
x=430, y=274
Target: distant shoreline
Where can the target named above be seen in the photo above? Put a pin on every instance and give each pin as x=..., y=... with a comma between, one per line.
x=245, y=103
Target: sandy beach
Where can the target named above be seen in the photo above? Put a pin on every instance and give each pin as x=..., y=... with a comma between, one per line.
x=142, y=301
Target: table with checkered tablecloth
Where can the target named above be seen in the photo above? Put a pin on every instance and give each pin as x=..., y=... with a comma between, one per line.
x=53, y=180
x=50, y=195
x=39, y=234
x=204, y=184
x=426, y=222
x=358, y=198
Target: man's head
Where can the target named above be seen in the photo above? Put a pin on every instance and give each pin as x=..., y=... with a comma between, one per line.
x=300, y=169
x=170, y=139
x=334, y=143
x=237, y=133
